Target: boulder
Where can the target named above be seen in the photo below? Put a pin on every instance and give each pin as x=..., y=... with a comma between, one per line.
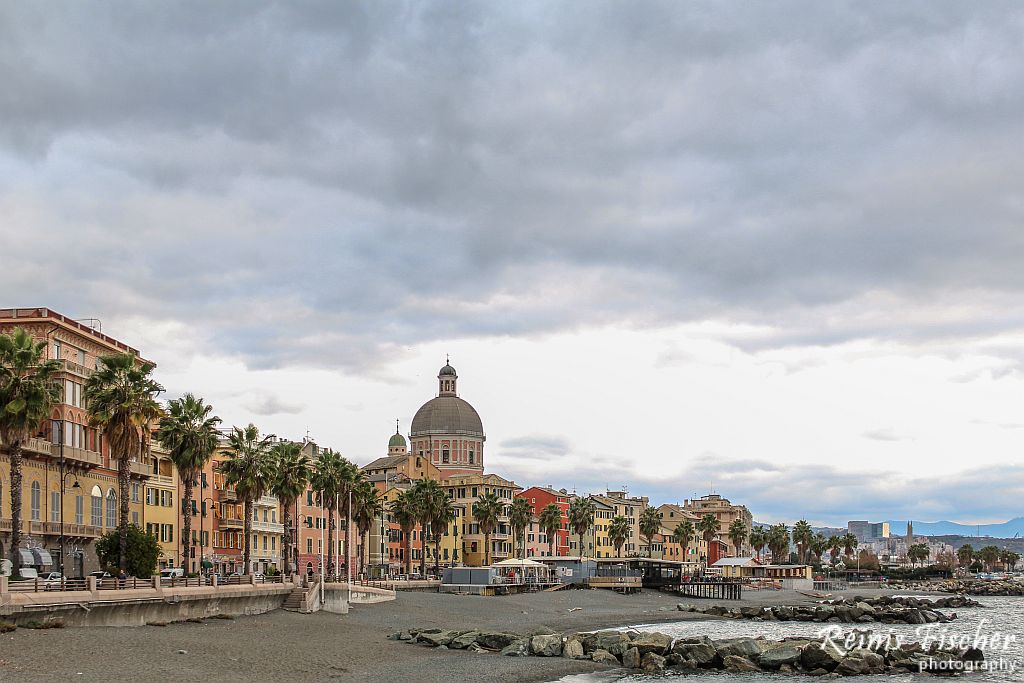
x=815, y=656
x=614, y=642
x=546, y=645
x=701, y=654
x=573, y=649
x=604, y=657
x=737, y=663
x=518, y=648
x=851, y=666
x=495, y=640
x=463, y=641
x=778, y=656
x=436, y=637
x=652, y=663
x=658, y=643
x=631, y=658
x=740, y=647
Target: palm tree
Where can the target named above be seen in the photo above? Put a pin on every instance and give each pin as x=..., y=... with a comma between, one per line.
x=819, y=544
x=778, y=542
x=519, y=515
x=250, y=469
x=758, y=540
x=618, y=532
x=332, y=478
x=989, y=556
x=1009, y=560
x=291, y=476
x=965, y=554
x=550, y=521
x=834, y=544
x=442, y=513
x=367, y=506
x=28, y=390
x=121, y=399
x=683, y=534
x=707, y=527
x=424, y=494
x=189, y=433
x=404, y=513
x=737, y=534
x=486, y=510
x=803, y=534
x=650, y=524
x=581, y=517
x=849, y=542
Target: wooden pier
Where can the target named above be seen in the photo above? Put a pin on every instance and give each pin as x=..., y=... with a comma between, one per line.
x=718, y=590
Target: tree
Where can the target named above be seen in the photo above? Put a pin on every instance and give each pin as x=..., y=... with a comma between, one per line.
x=849, y=544
x=834, y=544
x=618, y=532
x=965, y=554
x=141, y=552
x=917, y=553
x=292, y=470
x=332, y=478
x=442, y=513
x=707, y=527
x=737, y=534
x=403, y=511
x=989, y=555
x=802, y=537
x=550, y=521
x=650, y=524
x=1009, y=560
x=120, y=397
x=367, y=506
x=683, y=534
x=778, y=543
x=189, y=433
x=250, y=469
x=758, y=540
x=425, y=494
x=486, y=511
x=581, y=517
x=519, y=515
x=819, y=544
x=28, y=390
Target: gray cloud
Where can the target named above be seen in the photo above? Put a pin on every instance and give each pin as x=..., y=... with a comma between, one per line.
x=885, y=434
x=323, y=183
x=273, y=405
x=534, y=446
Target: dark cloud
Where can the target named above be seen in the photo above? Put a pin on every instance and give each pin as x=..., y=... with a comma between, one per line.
x=273, y=405
x=321, y=183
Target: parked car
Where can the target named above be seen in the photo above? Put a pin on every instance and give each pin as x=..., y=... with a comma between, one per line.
x=258, y=576
x=172, y=573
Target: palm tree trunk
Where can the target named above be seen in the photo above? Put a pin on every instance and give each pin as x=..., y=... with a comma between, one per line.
x=581, y=544
x=286, y=538
x=330, y=541
x=16, y=521
x=247, y=530
x=423, y=549
x=408, y=550
x=186, y=537
x=123, y=475
x=487, y=549
x=437, y=554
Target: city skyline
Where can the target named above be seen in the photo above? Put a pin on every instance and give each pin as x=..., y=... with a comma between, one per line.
x=676, y=250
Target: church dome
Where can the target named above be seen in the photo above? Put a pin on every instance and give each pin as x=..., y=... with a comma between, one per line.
x=447, y=371
x=397, y=441
x=447, y=415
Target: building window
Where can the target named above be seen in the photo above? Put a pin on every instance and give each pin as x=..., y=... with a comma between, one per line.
x=96, y=507
x=472, y=458
x=135, y=492
x=56, y=350
x=35, y=502
x=309, y=546
x=79, y=510
x=54, y=506
x=445, y=455
x=111, y=509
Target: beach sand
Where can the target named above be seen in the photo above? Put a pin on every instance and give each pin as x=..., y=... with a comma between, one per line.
x=325, y=647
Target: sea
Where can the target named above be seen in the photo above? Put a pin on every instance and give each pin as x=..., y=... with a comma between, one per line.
x=997, y=627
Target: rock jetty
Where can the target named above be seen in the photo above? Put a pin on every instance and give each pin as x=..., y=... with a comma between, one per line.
x=858, y=610
x=651, y=652
x=964, y=586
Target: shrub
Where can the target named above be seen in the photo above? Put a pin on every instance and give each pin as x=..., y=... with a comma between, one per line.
x=7, y=627
x=51, y=623
x=141, y=555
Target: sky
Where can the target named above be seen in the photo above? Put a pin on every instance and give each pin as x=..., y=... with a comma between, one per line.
x=774, y=251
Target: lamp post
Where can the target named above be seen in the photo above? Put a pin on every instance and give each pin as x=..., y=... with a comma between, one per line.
x=63, y=483
x=202, y=515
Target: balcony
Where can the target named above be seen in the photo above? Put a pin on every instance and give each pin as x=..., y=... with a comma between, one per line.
x=269, y=527
x=267, y=501
x=229, y=495
x=161, y=479
x=76, y=457
x=6, y=525
x=138, y=469
x=74, y=368
x=231, y=523
x=79, y=530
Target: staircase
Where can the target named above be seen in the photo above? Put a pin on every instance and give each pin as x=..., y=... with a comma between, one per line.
x=295, y=599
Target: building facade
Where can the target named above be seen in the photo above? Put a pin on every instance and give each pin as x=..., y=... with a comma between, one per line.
x=539, y=497
x=726, y=513
x=465, y=490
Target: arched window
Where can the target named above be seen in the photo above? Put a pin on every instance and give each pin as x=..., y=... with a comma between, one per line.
x=111, y=509
x=96, y=506
x=35, y=501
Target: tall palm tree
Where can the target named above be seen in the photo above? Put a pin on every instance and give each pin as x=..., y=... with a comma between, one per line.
x=442, y=513
x=189, y=433
x=738, y=534
x=803, y=534
x=332, y=478
x=778, y=542
x=250, y=469
x=650, y=524
x=28, y=390
x=121, y=399
x=707, y=527
x=581, y=517
x=425, y=493
x=292, y=470
x=487, y=509
x=403, y=512
x=367, y=506
x=849, y=544
x=683, y=534
x=834, y=545
x=519, y=515
x=550, y=522
x=758, y=540
x=819, y=544
x=618, y=532
x=965, y=554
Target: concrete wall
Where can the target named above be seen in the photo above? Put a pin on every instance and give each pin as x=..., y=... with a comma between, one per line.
x=336, y=597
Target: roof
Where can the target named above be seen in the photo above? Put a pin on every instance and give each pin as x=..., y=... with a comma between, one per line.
x=735, y=562
x=396, y=441
x=513, y=562
x=447, y=415
x=447, y=370
x=387, y=462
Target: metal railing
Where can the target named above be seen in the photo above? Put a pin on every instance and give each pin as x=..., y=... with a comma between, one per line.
x=276, y=578
x=185, y=582
x=38, y=585
x=129, y=583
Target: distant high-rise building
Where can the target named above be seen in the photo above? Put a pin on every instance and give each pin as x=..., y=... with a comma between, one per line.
x=867, y=532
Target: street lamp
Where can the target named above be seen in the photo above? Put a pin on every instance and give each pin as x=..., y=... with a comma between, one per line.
x=63, y=483
x=202, y=514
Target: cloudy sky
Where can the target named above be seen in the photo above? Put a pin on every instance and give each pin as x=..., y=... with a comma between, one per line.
x=772, y=250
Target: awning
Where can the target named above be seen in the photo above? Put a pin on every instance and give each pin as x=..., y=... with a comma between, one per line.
x=27, y=560
x=207, y=564
x=42, y=556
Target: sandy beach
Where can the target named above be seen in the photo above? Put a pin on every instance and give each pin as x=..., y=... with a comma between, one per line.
x=318, y=647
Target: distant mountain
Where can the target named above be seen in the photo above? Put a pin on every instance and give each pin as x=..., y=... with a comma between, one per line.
x=1014, y=527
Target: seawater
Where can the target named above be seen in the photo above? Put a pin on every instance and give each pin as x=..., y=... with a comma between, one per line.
x=1003, y=615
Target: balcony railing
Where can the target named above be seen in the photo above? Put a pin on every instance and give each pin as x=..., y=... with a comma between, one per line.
x=140, y=469
x=232, y=523
x=269, y=527
x=72, y=455
x=229, y=495
x=161, y=479
x=53, y=529
x=75, y=368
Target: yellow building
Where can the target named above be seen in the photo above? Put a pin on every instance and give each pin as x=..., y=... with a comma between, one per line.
x=161, y=503
x=672, y=516
x=465, y=490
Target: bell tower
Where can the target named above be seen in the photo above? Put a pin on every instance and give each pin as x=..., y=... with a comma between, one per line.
x=446, y=380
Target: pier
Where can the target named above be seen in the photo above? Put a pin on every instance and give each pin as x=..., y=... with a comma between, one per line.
x=715, y=590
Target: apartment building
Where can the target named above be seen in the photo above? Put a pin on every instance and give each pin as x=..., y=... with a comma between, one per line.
x=465, y=490
x=725, y=512
x=539, y=497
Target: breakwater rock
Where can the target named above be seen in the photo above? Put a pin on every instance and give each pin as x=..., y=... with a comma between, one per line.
x=964, y=586
x=854, y=653
x=832, y=612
